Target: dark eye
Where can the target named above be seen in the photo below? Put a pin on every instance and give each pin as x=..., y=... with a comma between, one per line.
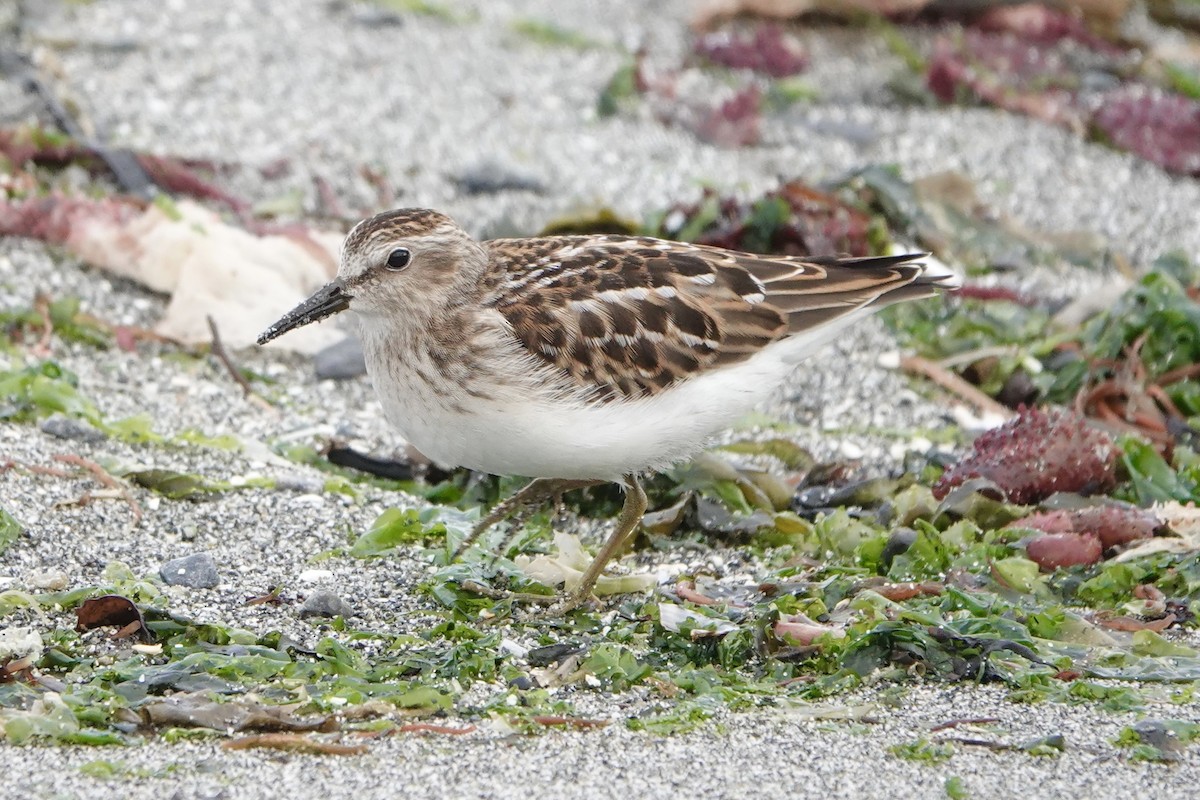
x=398, y=259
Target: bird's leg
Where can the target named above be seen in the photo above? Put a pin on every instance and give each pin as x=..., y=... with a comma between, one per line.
x=627, y=521
x=519, y=508
x=534, y=491
x=553, y=491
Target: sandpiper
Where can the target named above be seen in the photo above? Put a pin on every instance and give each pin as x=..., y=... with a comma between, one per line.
x=577, y=360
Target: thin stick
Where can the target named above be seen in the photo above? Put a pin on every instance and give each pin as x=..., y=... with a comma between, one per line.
x=328, y=198
x=51, y=471
x=569, y=722
x=978, y=354
x=121, y=163
x=41, y=304
x=916, y=365
x=107, y=480
x=429, y=727
x=954, y=723
x=1180, y=374
x=384, y=194
x=296, y=743
x=990, y=745
x=218, y=350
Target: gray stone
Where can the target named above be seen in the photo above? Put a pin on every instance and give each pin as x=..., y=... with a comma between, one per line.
x=326, y=604
x=371, y=17
x=489, y=177
x=197, y=571
x=897, y=544
x=341, y=361
x=50, y=580
x=308, y=484
x=61, y=426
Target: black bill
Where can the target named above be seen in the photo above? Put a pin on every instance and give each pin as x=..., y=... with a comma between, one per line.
x=325, y=302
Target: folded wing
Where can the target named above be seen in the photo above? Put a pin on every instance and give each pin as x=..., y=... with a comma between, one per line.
x=629, y=316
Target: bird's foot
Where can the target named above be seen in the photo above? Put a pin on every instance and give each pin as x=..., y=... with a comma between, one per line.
x=518, y=509
x=559, y=609
x=527, y=598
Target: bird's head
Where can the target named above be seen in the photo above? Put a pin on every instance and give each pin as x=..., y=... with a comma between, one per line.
x=401, y=265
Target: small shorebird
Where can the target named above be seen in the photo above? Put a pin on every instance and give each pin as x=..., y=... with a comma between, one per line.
x=578, y=360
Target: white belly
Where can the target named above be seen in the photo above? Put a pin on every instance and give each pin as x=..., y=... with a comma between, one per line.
x=537, y=436
x=539, y=440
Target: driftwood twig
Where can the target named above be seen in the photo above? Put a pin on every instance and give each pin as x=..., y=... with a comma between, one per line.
x=218, y=350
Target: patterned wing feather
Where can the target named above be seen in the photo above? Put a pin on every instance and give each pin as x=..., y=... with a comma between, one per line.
x=630, y=316
x=817, y=291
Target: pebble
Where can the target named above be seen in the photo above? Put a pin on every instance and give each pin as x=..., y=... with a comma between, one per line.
x=490, y=177
x=852, y=451
x=315, y=575
x=17, y=643
x=897, y=544
x=326, y=604
x=197, y=571
x=61, y=426
x=307, y=484
x=340, y=361
x=50, y=580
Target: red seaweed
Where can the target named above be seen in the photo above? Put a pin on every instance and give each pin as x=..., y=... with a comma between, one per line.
x=1036, y=454
x=768, y=51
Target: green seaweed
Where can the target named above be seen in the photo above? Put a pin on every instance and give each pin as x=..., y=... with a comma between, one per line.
x=10, y=529
x=551, y=35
